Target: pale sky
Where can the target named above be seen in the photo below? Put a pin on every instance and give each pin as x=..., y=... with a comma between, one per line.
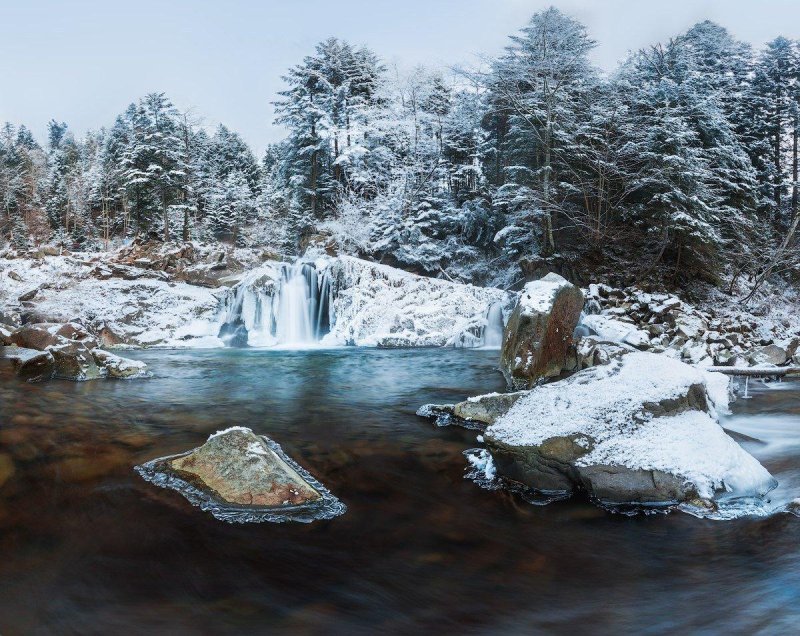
x=84, y=61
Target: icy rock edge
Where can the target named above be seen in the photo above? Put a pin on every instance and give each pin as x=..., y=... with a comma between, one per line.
x=327, y=506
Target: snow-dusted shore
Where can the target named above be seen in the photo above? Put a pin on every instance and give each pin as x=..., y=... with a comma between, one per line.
x=142, y=312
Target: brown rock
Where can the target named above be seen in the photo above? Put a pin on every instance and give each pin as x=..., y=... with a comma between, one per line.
x=30, y=365
x=538, y=335
x=74, y=361
x=74, y=331
x=33, y=337
x=241, y=469
x=7, y=468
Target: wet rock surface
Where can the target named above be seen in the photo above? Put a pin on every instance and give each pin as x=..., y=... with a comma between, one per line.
x=241, y=477
x=538, y=335
x=475, y=412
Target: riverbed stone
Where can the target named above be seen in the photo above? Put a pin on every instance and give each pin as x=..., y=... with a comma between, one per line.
x=538, y=335
x=117, y=367
x=34, y=337
x=486, y=409
x=7, y=468
x=239, y=468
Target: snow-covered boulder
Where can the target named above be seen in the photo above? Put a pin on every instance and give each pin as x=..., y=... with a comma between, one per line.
x=30, y=365
x=770, y=354
x=617, y=331
x=591, y=351
x=66, y=352
x=114, y=366
x=376, y=305
x=539, y=331
x=638, y=430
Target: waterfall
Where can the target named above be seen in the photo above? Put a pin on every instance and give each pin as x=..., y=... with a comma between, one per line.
x=295, y=316
x=493, y=331
x=296, y=313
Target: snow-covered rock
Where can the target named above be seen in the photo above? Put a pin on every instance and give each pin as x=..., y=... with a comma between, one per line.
x=140, y=312
x=638, y=430
x=114, y=366
x=617, y=331
x=474, y=412
x=538, y=334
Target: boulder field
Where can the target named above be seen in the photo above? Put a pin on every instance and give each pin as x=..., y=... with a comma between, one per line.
x=624, y=426
x=69, y=352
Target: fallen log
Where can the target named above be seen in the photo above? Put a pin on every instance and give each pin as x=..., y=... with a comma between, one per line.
x=757, y=372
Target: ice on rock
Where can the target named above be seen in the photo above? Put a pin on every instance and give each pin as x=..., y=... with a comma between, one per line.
x=376, y=305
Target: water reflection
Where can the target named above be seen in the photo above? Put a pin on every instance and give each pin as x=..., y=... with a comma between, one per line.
x=88, y=547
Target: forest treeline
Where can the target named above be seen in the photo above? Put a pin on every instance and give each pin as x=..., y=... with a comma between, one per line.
x=683, y=162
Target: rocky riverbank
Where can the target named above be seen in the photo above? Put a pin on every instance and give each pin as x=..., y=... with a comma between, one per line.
x=611, y=410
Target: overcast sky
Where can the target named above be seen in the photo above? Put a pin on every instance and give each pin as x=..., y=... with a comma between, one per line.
x=83, y=62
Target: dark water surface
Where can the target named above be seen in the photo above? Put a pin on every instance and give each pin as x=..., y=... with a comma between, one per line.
x=87, y=547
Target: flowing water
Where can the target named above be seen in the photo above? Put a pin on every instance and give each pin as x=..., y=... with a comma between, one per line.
x=88, y=547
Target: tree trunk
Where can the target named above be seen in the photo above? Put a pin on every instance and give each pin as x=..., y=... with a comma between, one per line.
x=550, y=245
x=794, y=165
x=166, y=215
x=777, y=150
x=185, y=236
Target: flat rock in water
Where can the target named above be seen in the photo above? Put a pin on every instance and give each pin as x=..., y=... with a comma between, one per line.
x=241, y=477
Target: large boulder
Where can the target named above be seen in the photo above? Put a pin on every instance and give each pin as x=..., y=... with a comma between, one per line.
x=591, y=351
x=641, y=429
x=768, y=355
x=67, y=352
x=34, y=337
x=30, y=365
x=237, y=474
x=537, y=338
x=73, y=361
x=117, y=367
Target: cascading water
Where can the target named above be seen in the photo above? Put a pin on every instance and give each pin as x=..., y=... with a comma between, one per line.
x=295, y=314
x=493, y=332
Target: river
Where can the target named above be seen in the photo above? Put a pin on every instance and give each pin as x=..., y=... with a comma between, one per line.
x=88, y=547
